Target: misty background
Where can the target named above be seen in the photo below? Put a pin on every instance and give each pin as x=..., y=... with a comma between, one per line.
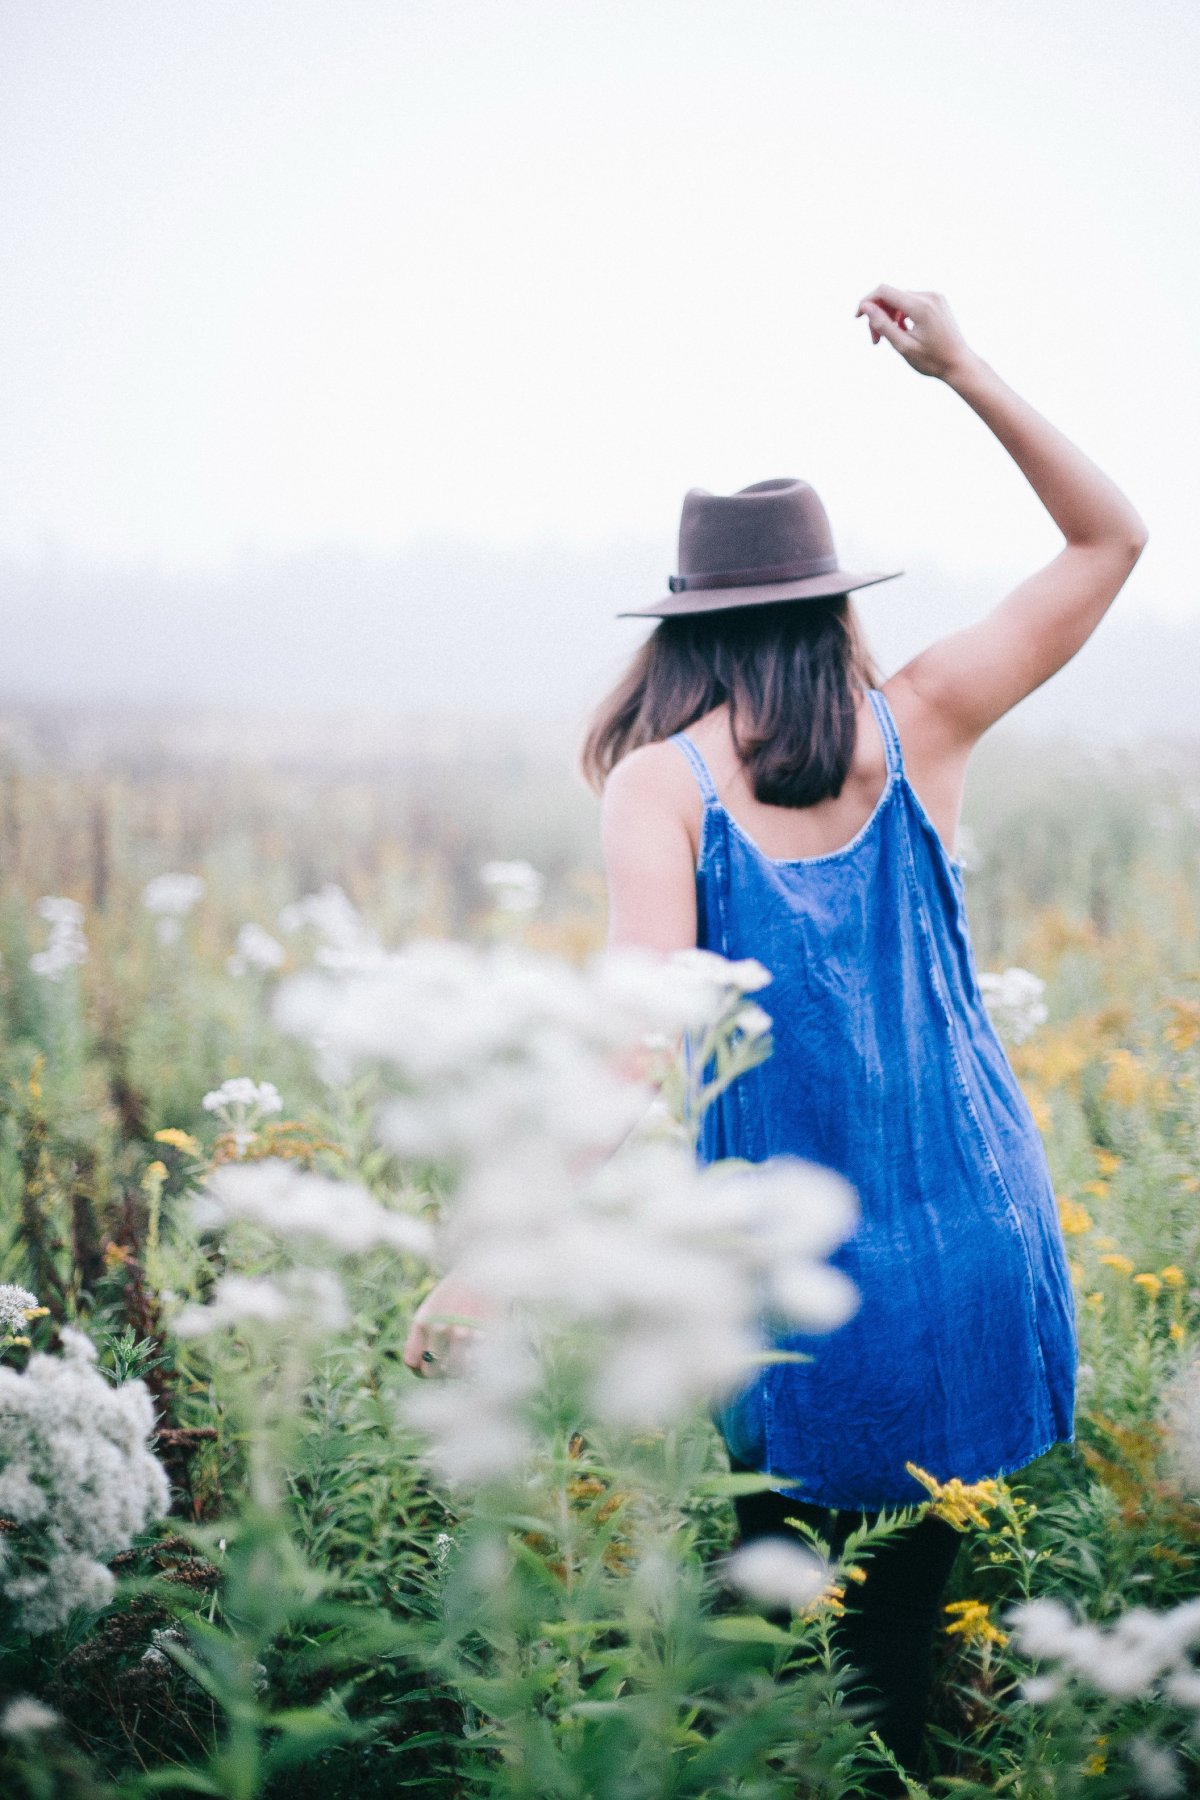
x=357, y=358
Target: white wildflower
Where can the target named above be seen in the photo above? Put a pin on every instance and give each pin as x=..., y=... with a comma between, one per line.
x=16, y=1304
x=1123, y=1659
x=1180, y=1420
x=67, y=946
x=176, y=894
x=347, y=942
x=1155, y=1767
x=59, y=911
x=311, y=1299
x=1037, y=1689
x=171, y=898
x=297, y=1203
x=78, y=1478
x=26, y=1717
x=1014, y=1000
x=256, y=949
x=240, y=1104
x=478, y=1422
x=775, y=1572
x=515, y=886
x=657, y=1274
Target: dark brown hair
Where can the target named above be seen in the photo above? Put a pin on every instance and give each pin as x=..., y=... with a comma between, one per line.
x=790, y=672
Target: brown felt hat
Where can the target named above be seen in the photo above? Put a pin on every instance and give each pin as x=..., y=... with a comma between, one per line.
x=767, y=542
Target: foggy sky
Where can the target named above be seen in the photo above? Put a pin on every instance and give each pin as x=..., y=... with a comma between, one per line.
x=370, y=349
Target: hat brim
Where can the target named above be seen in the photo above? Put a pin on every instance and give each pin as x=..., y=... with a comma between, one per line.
x=704, y=600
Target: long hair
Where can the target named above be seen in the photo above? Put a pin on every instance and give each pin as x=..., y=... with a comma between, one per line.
x=790, y=673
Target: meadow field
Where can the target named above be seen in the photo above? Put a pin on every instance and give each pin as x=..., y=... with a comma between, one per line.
x=290, y=1012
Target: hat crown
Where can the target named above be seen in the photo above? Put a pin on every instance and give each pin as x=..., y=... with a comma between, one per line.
x=771, y=531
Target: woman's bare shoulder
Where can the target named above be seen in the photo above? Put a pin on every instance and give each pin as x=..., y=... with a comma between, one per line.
x=651, y=770
x=653, y=785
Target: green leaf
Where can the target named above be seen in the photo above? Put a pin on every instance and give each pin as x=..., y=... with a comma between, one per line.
x=747, y=1628
x=727, y=1486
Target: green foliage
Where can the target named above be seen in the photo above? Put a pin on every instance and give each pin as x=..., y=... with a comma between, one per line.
x=320, y=1616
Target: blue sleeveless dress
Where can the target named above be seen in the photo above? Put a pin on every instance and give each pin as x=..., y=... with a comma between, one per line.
x=962, y=1355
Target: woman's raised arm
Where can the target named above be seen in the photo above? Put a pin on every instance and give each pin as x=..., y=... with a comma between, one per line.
x=968, y=680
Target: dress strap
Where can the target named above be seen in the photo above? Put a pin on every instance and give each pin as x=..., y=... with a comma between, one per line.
x=704, y=780
x=887, y=729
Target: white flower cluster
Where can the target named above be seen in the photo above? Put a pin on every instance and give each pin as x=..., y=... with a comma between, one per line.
x=1139, y=1653
x=171, y=898
x=1014, y=1000
x=67, y=946
x=661, y=1272
x=516, y=887
x=774, y=1572
x=26, y=1717
x=240, y=1104
x=78, y=1478
x=293, y=1203
x=256, y=949
x=347, y=941
x=16, y=1304
x=310, y=1299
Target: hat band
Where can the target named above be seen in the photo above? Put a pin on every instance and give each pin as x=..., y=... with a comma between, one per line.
x=793, y=571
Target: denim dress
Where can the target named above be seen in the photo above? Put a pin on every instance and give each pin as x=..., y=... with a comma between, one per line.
x=962, y=1355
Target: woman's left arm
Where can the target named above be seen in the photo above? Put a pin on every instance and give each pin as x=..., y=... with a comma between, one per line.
x=650, y=865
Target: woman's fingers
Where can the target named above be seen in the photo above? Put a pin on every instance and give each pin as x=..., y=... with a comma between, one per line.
x=445, y=1343
x=884, y=324
x=897, y=300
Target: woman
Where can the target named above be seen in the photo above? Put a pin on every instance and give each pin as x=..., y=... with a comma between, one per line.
x=765, y=796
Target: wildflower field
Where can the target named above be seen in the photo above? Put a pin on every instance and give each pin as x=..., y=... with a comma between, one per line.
x=283, y=1036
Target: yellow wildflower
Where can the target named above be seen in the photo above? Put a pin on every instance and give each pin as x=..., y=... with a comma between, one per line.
x=831, y=1595
x=1175, y=1332
x=116, y=1254
x=1096, y=1300
x=1106, y=1243
x=1097, y=1762
x=1106, y=1161
x=1173, y=1275
x=958, y=1502
x=1126, y=1082
x=1183, y=1028
x=1150, y=1284
x=1073, y=1218
x=1097, y=1189
x=973, y=1623
x=179, y=1140
x=156, y=1173
x=1043, y=1118
x=1121, y=1263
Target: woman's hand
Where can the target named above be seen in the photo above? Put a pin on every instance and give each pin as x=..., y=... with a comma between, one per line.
x=920, y=326
x=434, y=1345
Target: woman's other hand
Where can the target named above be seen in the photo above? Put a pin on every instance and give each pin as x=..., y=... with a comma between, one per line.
x=919, y=326
x=436, y=1343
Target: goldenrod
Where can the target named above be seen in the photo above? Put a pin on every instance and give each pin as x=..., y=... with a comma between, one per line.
x=973, y=1623
x=1074, y=1218
x=958, y=1502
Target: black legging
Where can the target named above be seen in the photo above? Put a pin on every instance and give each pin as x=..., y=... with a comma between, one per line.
x=886, y=1632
